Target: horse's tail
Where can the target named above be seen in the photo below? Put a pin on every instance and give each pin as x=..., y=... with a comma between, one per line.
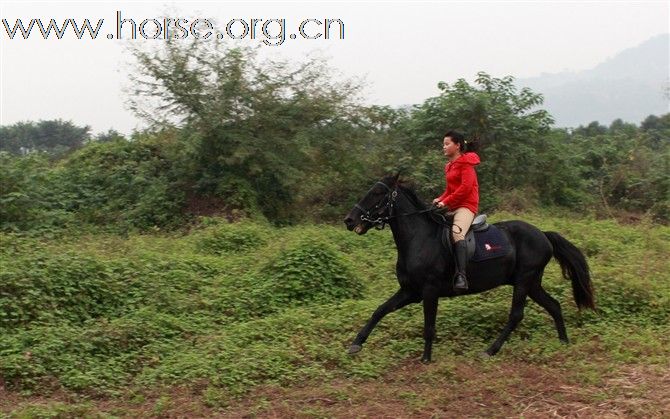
x=574, y=267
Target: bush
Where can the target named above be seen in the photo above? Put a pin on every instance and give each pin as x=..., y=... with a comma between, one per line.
x=63, y=288
x=309, y=272
x=232, y=238
x=127, y=184
x=30, y=195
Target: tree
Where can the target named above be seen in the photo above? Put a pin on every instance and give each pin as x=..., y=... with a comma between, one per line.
x=657, y=131
x=626, y=170
x=261, y=123
x=53, y=136
x=618, y=126
x=591, y=130
x=505, y=123
x=109, y=136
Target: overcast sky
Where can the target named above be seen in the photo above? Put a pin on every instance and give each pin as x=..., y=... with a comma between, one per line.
x=402, y=49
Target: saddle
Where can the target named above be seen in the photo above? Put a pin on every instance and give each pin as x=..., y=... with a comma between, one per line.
x=483, y=240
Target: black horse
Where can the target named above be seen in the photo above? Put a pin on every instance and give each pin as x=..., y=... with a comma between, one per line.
x=425, y=269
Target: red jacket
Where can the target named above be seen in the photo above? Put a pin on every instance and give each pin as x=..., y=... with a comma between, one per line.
x=462, y=186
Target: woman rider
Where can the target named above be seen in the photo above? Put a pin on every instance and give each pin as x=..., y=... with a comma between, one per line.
x=461, y=197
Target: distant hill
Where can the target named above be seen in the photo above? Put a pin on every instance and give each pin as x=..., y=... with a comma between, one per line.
x=631, y=85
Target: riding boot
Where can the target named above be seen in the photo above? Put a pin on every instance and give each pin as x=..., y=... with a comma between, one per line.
x=461, y=250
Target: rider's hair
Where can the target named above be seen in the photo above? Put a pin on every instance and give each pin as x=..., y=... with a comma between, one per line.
x=458, y=138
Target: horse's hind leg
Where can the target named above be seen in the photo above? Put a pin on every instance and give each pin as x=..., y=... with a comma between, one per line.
x=515, y=316
x=553, y=307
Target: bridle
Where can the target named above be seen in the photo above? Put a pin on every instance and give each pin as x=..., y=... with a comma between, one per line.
x=387, y=202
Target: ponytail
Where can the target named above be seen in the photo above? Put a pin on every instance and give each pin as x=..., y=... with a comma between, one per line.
x=466, y=145
x=469, y=145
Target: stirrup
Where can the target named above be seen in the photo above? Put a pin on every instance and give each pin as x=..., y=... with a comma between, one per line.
x=462, y=284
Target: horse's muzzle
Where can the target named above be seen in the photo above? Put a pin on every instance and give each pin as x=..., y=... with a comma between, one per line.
x=358, y=228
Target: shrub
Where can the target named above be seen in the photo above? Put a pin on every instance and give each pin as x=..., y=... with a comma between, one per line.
x=310, y=272
x=127, y=184
x=68, y=287
x=232, y=238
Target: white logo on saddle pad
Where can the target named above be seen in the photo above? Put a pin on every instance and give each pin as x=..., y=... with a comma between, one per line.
x=491, y=247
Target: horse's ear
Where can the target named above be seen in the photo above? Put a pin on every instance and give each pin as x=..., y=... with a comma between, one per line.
x=396, y=179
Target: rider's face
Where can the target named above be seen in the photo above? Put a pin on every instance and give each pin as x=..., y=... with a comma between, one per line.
x=450, y=148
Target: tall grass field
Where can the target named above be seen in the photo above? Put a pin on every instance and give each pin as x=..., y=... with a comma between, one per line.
x=235, y=319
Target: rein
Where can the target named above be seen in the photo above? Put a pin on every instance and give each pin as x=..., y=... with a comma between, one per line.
x=389, y=202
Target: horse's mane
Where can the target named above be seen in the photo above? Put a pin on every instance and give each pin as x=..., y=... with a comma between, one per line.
x=409, y=191
x=408, y=188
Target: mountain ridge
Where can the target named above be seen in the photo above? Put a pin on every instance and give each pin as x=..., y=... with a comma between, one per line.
x=631, y=85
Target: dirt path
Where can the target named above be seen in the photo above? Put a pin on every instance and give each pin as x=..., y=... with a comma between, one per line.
x=470, y=389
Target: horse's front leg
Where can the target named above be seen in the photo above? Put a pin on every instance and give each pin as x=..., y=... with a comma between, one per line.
x=430, y=299
x=398, y=300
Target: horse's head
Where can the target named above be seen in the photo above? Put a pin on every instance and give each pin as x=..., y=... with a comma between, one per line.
x=374, y=206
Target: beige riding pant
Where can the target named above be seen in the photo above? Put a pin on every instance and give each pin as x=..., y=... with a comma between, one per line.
x=463, y=218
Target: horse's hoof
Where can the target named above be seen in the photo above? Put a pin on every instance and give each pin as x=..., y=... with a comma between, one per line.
x=485, y=355
x=354, y=349
x=425, y=360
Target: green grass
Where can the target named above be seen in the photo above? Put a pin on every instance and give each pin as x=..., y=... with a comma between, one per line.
x=228, y=307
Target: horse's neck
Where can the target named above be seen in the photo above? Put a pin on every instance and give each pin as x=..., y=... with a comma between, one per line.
x=410, y=229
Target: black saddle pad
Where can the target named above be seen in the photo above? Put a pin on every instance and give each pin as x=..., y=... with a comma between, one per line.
x=490, y=244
